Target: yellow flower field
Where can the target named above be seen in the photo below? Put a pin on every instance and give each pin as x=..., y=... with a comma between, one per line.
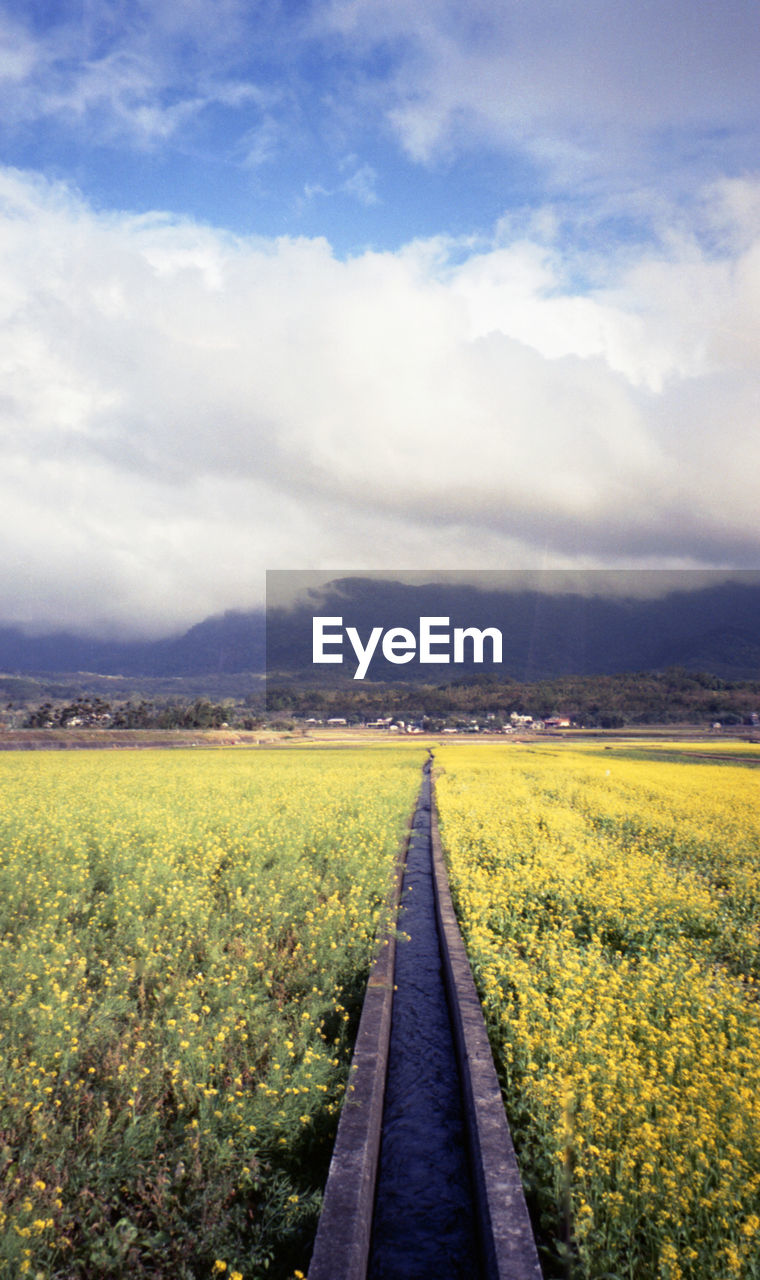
x=611, y=910
x=184, y=941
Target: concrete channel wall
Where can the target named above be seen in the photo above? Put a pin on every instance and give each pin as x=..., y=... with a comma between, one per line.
x=342, y=1245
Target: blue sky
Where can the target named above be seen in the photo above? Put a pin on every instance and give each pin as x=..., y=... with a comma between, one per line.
x=372, y=123
x=354, y=284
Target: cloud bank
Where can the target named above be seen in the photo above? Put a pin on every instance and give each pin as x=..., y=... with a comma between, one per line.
x=182, y=409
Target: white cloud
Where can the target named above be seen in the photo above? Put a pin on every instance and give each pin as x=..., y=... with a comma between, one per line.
x=361, y=185
x=19, y=54
x=599, y=86
x=182, y=409
x=138, y=75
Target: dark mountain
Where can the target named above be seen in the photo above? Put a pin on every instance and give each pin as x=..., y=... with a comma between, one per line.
x=713, y=628
x=232, y=642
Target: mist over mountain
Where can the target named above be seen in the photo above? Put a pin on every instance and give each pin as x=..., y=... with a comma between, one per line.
x=714, y=628
x=229, y=643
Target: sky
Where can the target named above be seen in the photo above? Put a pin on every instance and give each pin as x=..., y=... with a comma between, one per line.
x=354, y=284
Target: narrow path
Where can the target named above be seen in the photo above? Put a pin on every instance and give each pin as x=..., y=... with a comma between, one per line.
x=424, y=1222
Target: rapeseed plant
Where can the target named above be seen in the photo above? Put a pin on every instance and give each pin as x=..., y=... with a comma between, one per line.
x=610, y=910
x=184, y=941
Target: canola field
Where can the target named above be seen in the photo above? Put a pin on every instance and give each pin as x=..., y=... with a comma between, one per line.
x=184, y=941
x=610, y=903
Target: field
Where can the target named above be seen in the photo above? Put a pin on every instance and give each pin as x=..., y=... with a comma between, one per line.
x=184, y=940
x=610, y=902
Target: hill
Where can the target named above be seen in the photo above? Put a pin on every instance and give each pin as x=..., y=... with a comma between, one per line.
x=714, y=628
x=222, y=645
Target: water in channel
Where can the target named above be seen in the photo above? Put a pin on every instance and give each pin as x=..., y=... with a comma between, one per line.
x=424, y=1223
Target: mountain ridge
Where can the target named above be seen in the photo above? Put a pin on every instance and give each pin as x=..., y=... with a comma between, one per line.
x=714, y=628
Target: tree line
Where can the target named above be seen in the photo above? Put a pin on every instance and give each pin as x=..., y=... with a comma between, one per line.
x=141, y=714
x=609, y=701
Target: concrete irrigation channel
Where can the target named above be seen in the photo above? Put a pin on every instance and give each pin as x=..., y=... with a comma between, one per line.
x=423, y=1181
